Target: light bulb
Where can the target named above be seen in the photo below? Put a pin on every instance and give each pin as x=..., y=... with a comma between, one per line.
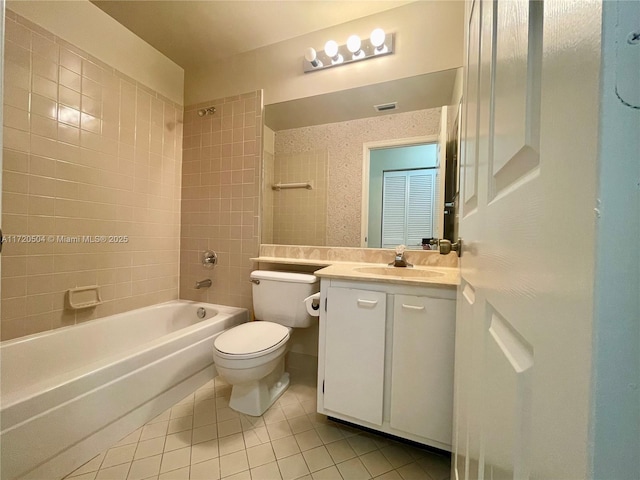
x=377, y=39
x=311, y=57
x=331, y=48
x=353, y=43
x=310, y=54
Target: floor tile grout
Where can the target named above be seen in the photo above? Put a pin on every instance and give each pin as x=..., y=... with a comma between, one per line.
x=304, y=442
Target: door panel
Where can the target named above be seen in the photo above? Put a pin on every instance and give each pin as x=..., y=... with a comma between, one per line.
x=469, y=165
x=508, y=373
x=529, y=157
x=516, y=101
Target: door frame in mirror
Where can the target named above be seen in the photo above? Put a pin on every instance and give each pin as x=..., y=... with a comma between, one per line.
x=367, y=147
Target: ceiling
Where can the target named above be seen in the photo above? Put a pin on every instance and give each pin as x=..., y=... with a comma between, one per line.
x=188, y=32
x=192, y=33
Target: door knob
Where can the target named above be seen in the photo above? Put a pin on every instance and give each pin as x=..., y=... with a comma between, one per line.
x=445, y=246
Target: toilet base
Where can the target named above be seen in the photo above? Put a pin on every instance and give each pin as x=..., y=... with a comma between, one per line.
x=255, y=398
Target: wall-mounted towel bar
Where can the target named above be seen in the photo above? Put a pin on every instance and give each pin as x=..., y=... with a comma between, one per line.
x=280, y=186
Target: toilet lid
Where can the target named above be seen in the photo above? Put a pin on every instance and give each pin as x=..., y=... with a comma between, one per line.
x=251, y=337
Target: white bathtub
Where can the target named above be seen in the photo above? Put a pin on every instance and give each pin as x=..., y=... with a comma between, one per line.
x=68, y=394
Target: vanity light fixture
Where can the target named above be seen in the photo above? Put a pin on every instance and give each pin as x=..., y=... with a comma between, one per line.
x=378, y=44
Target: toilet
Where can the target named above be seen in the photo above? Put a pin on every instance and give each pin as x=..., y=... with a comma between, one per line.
x=250, y=357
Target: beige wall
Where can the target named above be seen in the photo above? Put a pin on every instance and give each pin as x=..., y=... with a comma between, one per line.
x=87, y=27
x=429, y=38
x=343, y=143
x=87, y=151
x=221, y=198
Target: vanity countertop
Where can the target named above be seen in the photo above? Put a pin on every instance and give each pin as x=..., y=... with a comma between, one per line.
x=417, y=275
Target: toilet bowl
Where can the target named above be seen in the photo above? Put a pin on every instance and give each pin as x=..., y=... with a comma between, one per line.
x=250, y=357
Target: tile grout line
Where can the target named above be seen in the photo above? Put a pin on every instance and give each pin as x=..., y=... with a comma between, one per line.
x=336, y=433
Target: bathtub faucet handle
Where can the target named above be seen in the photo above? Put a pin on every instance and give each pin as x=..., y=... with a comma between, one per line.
x=209, y=258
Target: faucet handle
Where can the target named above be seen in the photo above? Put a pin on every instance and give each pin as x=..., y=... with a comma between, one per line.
x=209, y=258
x=400, y=249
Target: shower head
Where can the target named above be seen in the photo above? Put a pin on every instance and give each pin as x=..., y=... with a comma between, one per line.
x=206, y=111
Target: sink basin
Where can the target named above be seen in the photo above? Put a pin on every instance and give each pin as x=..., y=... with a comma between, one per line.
x=399, y=272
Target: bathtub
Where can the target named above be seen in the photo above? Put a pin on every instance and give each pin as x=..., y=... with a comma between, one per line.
x=69, y=394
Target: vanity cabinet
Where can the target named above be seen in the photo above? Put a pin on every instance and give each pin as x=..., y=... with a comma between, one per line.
x=354, y=364
x=422, y=366
x=385, y=358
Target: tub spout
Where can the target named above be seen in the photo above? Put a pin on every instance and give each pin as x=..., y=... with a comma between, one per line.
x=203, y=283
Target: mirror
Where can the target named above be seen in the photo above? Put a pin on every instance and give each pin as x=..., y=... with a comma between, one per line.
x=317, y=154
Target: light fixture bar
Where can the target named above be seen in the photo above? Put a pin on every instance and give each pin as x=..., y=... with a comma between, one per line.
x=367, y=50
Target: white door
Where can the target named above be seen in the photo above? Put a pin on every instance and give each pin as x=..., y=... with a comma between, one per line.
x=524, y=316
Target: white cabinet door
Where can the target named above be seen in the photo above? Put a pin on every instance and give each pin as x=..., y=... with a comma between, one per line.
x=354, y=353
x=422, y=366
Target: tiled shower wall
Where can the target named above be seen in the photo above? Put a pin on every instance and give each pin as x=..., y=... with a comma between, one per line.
x=87, y=152
x=221, y=198
x=300, y=214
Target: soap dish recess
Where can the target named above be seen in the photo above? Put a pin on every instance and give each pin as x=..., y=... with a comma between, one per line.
x=83, y=297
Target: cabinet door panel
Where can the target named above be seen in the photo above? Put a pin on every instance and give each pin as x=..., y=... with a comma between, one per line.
x=354, y=353
x=422, y=366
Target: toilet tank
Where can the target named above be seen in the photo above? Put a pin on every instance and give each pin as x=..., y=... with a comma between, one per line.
x=279, y=297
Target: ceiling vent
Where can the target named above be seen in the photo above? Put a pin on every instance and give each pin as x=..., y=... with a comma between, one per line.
x=383, y=107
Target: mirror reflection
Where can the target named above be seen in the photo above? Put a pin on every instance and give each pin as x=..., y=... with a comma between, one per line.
x=333, y=161
x=403, y=189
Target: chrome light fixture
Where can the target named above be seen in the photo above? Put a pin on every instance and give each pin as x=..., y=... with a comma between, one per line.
x=378, y=44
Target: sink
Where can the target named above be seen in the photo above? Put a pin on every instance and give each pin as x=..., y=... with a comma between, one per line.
x=399, y=272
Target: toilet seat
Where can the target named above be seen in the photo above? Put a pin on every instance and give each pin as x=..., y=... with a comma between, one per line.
x=251, y=339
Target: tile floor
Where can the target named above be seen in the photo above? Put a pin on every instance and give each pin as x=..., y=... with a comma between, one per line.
x=201, y=438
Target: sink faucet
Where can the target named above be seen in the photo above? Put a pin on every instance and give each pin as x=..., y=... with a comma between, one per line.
x=400, y=260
